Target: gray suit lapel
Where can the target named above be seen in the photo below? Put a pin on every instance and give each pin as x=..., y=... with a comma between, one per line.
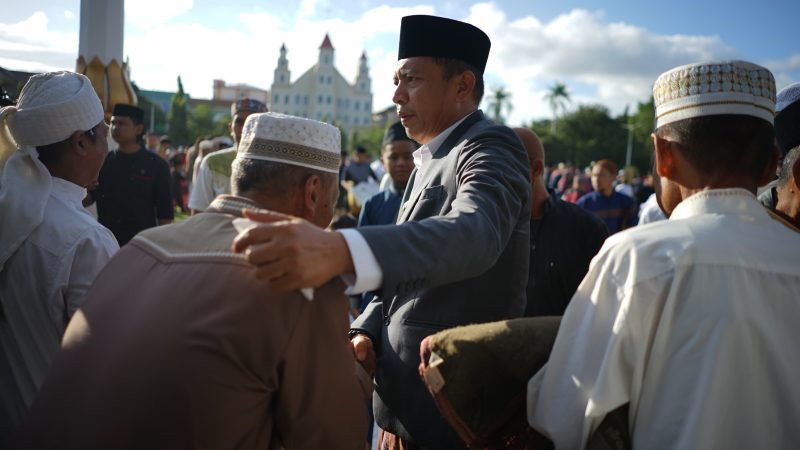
x=407, y=205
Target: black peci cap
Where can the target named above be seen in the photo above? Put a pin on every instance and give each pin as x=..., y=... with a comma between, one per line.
x=439, y=37
x=396, y=132
x=129, y=111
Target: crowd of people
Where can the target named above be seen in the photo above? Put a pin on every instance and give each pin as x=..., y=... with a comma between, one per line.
x=232, y=328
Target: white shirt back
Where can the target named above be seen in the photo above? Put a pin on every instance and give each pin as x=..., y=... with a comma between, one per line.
x=694, y=322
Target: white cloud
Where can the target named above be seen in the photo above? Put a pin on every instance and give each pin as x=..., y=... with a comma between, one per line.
x=601, y=62
x=69, y=15
x=31, y=45
x=787, y=70
x=148, y=14
x=619, y=61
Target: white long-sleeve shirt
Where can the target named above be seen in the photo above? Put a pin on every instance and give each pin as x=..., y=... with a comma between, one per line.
x=41, y=286
x=693, y=321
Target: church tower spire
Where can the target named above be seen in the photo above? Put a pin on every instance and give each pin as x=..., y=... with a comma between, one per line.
x=363, y=82
x=282, y=75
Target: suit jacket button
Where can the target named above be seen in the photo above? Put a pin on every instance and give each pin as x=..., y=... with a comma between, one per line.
x=387, y=320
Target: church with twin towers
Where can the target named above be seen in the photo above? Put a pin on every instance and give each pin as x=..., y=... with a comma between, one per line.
x=322, y=93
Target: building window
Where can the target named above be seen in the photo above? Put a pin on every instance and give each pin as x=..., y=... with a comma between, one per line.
x=330, y=80
x=277, y=99
x=286, y=99
x=321, y=79
x=319, y=100
x=356, y=104
x=328, y=100
x=283, y=78
x=305, y=100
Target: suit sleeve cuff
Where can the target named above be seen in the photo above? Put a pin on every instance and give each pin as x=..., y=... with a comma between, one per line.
x=368, y=276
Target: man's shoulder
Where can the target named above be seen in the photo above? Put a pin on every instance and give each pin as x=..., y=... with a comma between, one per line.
x=63, y=227
x=220, y=161
x=151, y=158
x=205, y=235
x=575, y=214
x=587, y=199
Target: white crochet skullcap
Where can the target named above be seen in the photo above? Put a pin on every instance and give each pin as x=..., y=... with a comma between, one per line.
x=51, y=107
x=714, y=88
x=291, y=140
x=787, y=96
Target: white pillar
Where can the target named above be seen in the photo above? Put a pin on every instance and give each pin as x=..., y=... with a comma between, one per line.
x=102, y=30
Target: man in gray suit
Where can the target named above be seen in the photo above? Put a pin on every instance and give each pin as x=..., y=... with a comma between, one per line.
x=459, y=253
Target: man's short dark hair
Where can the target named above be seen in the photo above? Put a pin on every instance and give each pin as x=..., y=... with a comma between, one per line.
x=730, y=144
x=452, y=67
x=278, y=179
x=786, y=167
x=50, y=154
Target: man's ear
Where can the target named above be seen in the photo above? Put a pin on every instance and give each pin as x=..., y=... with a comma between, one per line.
x=78, y=142
x=466, y=85
x=312, y=195
x=665, y=156
x=537, y=168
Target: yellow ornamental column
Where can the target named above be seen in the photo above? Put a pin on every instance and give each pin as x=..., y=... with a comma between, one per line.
x=100, y=52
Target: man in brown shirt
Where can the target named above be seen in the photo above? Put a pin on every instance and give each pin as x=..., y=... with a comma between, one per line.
x=222, y=362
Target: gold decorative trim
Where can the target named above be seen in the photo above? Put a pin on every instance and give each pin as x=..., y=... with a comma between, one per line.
x=700, y=105
x=294, y=153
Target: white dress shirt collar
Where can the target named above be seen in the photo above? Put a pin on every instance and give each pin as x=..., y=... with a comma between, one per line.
x=718, y=201
x=68, y=192
x=424, y=154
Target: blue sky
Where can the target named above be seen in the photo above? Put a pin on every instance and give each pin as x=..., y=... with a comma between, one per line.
x=606, y=52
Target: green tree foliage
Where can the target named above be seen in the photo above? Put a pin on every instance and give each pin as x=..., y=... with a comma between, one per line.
x=584, y=135
x=590, y=133
x=160, y=117
x=558, y=97
x=643, y=122
x=369, y=137
x=222, y=126
x=178, y=117
x=201, y=121
x=499, y=104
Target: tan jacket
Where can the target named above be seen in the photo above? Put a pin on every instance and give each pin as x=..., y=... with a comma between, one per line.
x=179, y=346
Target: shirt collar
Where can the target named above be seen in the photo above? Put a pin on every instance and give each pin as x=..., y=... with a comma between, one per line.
x=426, y=151
x=68, y=191
x=718, y=201
x=233, y=205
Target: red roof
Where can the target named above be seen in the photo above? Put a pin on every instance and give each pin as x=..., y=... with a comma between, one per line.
x=327, y=42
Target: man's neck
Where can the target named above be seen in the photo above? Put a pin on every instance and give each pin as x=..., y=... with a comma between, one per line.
x=457, y=118
x=540, y=196
x=129, y=147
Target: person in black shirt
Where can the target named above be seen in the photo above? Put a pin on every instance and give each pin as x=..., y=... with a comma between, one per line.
x=564, y=239
x=133, y=191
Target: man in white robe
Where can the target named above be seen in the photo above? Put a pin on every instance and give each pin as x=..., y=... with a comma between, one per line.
x=51, y=248
x=691, y=321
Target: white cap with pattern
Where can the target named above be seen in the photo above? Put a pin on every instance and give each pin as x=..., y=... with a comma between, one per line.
x=714, y=88
x=291, y=140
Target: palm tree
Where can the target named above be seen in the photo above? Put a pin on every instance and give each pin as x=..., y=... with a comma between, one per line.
x=558, y=98
x=499, y=101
